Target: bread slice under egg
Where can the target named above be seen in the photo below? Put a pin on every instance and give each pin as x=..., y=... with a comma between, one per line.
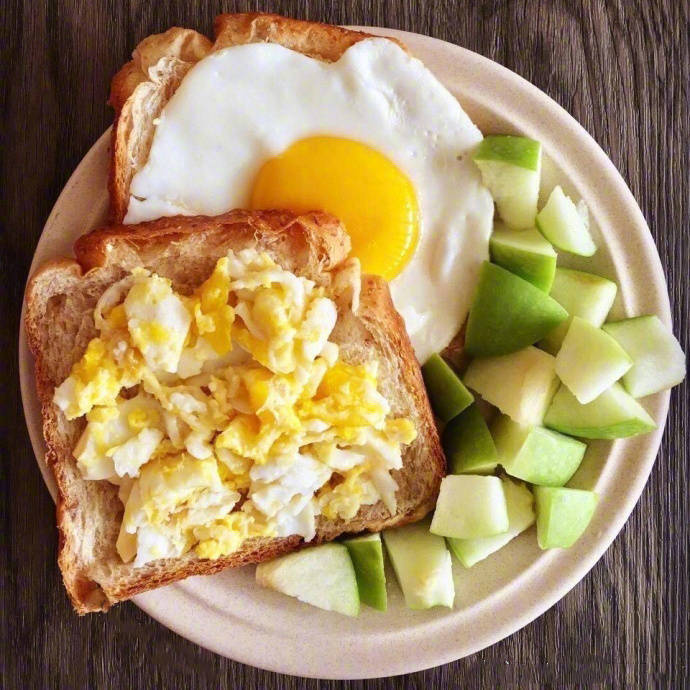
x=60, y=300
x=141, y=89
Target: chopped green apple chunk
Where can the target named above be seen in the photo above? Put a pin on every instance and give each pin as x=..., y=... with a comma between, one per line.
x=468, y=445
x=562, y=515
x=511, y=170
x=366, y=553
x=565, y=225
x=508, y=313
x=581, y=294
x=526, y=254
x=614, y=414
x=521, y=384
x=590, y=360
x=422, y=565
x=535, y=454
x=470, y=506
x=447, y=393
x=658, y=359
x=520, y=505
x=322, y=576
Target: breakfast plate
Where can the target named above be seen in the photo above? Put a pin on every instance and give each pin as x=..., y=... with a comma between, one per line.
x=230, y=615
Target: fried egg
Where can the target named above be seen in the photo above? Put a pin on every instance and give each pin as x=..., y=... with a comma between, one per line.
x=373, y=138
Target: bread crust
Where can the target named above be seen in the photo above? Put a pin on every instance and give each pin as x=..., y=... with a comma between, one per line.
x=320, y=41
x=138, y=93
x=59, y=322
x=143, y=86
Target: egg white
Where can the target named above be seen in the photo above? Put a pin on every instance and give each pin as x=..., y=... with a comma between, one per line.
x=245, y=104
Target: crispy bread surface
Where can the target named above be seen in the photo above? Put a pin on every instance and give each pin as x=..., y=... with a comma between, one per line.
x=141, y=89
x=60, y=300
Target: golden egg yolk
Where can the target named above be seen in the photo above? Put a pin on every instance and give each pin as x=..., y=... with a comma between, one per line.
x=357, y=184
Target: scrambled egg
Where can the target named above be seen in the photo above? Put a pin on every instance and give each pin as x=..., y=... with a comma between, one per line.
x=228, y=414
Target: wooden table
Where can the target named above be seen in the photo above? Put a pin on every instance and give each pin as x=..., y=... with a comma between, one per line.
x=622, y=68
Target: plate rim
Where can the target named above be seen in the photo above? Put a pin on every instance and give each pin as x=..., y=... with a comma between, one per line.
x=444, y=651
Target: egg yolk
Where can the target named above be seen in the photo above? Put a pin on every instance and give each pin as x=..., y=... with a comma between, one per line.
x=357, y=184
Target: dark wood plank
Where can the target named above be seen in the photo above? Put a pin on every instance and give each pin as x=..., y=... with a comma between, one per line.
x=621, y=68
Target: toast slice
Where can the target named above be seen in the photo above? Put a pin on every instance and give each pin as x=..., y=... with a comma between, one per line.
x=60, y=300
x=141, y=89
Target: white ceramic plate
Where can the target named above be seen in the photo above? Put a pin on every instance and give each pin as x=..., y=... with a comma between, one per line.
x=228, y=614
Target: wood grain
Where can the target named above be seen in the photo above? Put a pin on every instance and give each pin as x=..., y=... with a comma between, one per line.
x=622, y=68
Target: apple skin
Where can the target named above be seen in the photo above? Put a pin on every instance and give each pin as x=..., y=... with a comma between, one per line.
x=659, y=360
x=614, y=414
x=367, y=557
x=511, y=171
x=520, y=504
x=508, y=314
x=447, y=393
x=526, y=254
x=581, y=294
x=468, y=445
x=535, y=454
x=505, y=148
x=520, y=384
x=562, y=515
x=422, y=565
x=470, y=506
x=590, y=360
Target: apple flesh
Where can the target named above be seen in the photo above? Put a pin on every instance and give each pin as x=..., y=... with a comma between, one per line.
x=526, y=254
x=468, y=445
x=562, y=515
x=447, y=393
x=581, y=294
x=470, y=506
x=366, y=553
x=590, y=360
x=658, y=359
x=422, y=565
x=614, y=414
x=508, y=313
x=520, y=505
x=535, y=454
x=511, y=170
x=322, y=576
x=521, y=384
x=565, y=225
